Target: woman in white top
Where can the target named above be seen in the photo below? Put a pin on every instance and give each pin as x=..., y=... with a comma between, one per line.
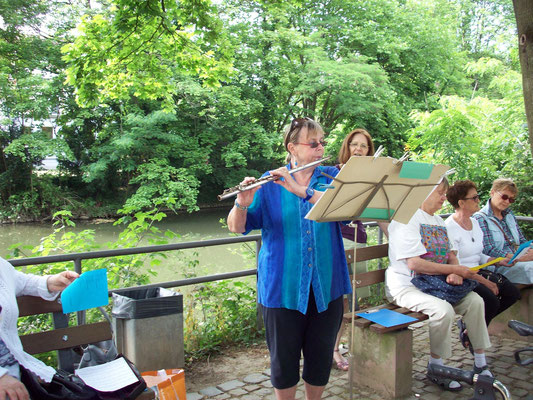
x=467, y=237
x=13, y=284
x=422, y=247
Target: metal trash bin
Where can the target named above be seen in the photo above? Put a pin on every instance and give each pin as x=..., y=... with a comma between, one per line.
x=148, y=325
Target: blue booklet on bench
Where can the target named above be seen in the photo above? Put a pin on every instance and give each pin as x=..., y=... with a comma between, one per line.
x=386, y=317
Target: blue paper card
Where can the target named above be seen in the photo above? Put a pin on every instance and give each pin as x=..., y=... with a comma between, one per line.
x=386, y=317
x=88, y=291
x=522, y=250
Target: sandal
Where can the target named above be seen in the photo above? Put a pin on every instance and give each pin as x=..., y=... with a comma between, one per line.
x=483, y=371
x=444, y=383
x=465, y=341
x=343, y=364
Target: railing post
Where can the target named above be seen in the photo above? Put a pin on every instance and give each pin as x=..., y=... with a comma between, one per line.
x=258, y=314
x=65, y=358
x=80, y=315
x=380, y=241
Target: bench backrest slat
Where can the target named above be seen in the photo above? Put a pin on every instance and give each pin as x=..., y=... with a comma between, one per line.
x=58, y=338
x=369, y=278
x=31, y=305
x=65, y=338
x=368, y=253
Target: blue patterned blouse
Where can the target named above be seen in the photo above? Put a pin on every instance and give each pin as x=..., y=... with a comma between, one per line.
x=297, y=253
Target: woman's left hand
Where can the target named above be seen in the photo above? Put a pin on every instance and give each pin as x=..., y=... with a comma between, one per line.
x=58, y=282
x=527, y=257
x=288, y=181
x=454, y=279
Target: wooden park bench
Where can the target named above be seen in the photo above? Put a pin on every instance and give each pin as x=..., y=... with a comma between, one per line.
x=383, y=357
x=64, y=337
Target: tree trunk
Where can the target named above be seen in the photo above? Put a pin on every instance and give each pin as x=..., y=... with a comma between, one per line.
x=523, y=10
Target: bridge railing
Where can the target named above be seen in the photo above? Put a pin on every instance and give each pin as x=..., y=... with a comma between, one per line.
x=77, y=258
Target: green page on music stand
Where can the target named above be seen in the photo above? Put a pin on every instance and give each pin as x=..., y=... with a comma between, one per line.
x=377, y=189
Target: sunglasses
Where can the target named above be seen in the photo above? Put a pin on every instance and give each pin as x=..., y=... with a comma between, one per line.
x=314, y=145
x=505, y=197
x=475, y=198
x=298, y=123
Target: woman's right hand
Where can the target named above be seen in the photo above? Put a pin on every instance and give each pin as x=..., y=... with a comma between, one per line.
x=454, y=279
x=12, y=389
x=238, y=215
x=505, y=262
x=247, y=197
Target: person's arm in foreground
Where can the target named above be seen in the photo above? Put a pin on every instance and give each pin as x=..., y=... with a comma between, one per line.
x=58, y=282
x=13, y=389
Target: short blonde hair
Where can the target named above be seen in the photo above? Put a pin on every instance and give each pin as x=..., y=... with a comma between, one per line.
x=504, y=183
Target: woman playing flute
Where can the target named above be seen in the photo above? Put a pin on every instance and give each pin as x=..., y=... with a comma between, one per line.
x=302, y=271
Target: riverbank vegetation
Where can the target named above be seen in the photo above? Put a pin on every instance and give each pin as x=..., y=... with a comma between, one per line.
x=215, y=314
x=145, y=102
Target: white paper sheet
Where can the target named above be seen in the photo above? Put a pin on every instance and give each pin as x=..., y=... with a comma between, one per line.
x=108, y=377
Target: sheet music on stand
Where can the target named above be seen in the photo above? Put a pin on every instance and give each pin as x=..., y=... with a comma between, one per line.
x=377, y=189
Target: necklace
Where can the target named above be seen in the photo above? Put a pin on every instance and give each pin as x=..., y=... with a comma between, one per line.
x=465, y=227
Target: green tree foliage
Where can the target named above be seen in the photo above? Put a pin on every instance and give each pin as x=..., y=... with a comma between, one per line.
x=486, y=27
x=484, y=137
x=136, y=48
x=175, y=101
x=346, y=64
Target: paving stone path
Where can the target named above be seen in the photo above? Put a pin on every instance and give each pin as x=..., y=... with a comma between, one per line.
x=518, y=379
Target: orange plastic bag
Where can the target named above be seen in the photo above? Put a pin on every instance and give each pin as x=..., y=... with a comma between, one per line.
x=169, y=384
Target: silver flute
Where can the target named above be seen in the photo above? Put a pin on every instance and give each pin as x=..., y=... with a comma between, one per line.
x=235, y=190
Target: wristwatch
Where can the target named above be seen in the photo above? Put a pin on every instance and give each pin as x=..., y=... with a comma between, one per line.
x=310, y=192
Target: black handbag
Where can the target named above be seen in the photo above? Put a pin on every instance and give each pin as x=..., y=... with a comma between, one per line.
x=104, y=352
x=63, y=386
x=100, y=353
x=494, y=277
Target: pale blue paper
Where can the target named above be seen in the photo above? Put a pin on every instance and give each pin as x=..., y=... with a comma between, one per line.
x=386, y=317
x=88, y=291
x=522, y=250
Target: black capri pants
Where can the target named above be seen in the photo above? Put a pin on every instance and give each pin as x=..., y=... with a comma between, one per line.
x=289, y=333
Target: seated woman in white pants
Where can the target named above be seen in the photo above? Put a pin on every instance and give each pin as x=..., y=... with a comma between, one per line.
x=422, y=247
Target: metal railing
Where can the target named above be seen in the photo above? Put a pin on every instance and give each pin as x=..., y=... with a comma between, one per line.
x=77, y=258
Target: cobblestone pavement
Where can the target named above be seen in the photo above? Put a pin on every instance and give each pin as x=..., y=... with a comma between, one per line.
x=518, y=379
